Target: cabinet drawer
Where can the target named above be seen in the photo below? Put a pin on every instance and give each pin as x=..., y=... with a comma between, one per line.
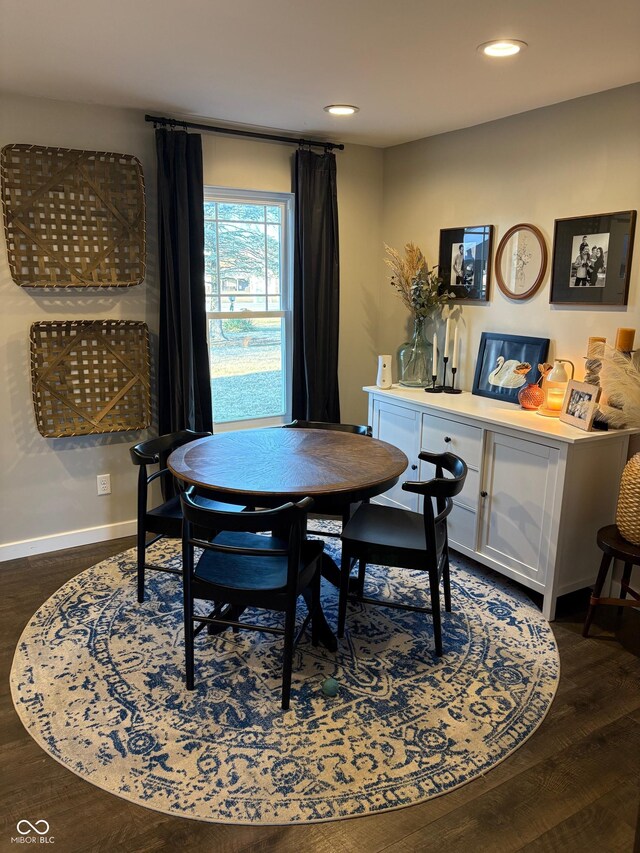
x=440, y=435
x=461, y=527
x=400, y=426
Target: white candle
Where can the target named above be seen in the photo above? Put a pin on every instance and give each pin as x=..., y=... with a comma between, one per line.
x=446, y=337
x=434, y=368
x=456, y=348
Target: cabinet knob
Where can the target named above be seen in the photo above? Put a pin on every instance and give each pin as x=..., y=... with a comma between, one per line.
x=447, y=439
x=414, y=467
x=483, y=494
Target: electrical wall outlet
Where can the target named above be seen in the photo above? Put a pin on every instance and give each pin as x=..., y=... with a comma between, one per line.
x=104, y=484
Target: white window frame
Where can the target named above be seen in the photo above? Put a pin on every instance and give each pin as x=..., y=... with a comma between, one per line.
x=286, y=203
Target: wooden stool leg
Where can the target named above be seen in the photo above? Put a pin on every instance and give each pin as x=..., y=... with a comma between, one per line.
x=626, y=580
x=602, y=576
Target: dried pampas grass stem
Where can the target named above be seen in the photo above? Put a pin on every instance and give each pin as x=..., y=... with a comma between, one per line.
x=620, y=382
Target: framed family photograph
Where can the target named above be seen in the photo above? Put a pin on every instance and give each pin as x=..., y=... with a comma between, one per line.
x=465, y=261
x=592, y=259
x=580, y=404
x=506, y=363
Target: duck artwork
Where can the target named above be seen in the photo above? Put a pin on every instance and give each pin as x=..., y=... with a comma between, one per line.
x=505, y=375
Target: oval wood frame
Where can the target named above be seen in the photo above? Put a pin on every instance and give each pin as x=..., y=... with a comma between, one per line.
x=523, y=226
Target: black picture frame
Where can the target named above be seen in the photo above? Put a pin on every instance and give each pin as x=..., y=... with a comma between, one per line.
x=498, y=354
x=601, y=276
x=470, y=280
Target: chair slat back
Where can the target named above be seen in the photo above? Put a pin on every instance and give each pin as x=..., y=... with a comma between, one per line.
x=355, y=429
x=442, y=490
x=157, y=450
x=440, y=487
x=288, y=521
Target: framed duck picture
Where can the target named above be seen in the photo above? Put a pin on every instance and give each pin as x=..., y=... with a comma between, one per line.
x=506, y=363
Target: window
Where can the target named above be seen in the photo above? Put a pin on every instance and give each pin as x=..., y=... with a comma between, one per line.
x=248, y=287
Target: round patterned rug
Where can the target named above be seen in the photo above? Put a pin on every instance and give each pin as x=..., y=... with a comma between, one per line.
x=97, y=680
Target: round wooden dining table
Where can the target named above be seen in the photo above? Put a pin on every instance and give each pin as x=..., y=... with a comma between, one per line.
x=267, y=467
x=270, y=466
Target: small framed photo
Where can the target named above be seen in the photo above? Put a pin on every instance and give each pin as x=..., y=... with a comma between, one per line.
x=592, y=259
x=506, y=363
x=464, y=261
x=580, y=404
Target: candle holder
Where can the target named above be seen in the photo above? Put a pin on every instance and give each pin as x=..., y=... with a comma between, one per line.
x=434, y=389
x=452, y=388
x=555, y=386
x=445, y=361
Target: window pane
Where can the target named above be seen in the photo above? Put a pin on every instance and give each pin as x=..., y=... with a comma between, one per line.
x=242, y=254
x=209, y=210
x=247, y=373
x=241, y=212
x=210, y=265
x=273, y=256
x=240, y=303
x=273, y=214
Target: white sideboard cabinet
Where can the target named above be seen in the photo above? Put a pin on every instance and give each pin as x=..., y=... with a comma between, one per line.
x=537, y=490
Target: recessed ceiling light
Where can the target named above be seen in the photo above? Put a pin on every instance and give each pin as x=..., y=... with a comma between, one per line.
x=341, y=109
x=502, y=47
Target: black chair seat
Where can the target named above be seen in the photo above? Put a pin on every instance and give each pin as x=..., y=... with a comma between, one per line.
x=239, y=571
x=386, y=528
x=388, y=536
x=167, y=518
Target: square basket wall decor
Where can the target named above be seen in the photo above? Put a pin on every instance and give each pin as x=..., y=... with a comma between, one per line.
x=90, y=376
x=73, y=218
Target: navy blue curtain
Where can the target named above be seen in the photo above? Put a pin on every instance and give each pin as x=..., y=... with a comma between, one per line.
x=184, y=385
x=316, y=301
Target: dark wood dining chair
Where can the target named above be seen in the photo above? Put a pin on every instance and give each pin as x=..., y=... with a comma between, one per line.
x=164, y=519
x=331, y=508
x=241, y=568
x=388, y=536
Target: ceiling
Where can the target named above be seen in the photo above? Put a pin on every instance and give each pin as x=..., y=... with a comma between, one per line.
x=411, y=66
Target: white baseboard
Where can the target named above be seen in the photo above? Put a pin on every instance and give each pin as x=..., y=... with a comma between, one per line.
x=69, y=539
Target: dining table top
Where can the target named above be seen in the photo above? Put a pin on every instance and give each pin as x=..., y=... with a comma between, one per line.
x=269, y=465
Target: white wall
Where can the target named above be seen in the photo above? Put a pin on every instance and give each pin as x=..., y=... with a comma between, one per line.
x=48, y=486
x=571, y=159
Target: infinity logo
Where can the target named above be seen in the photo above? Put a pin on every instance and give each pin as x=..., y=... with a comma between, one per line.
x=32, y=827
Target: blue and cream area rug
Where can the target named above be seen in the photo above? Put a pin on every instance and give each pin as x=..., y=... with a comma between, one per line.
x=98, y=682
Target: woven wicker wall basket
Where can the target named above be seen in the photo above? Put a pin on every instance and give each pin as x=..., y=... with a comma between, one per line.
x=90, y=376
x=73, y=218
x=628, y=511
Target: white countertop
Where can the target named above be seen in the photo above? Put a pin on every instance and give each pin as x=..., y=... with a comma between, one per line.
x=494, y=412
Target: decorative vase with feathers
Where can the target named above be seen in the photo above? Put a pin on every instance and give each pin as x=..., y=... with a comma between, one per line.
x=620, y=383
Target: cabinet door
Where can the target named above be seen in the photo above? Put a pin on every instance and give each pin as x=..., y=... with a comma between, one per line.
x=517, y=504
x=399, y=426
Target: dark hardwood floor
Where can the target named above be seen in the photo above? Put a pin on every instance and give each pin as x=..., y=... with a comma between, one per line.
x=574, y=786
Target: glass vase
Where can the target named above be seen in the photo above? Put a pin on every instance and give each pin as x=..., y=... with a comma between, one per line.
x=415, y=357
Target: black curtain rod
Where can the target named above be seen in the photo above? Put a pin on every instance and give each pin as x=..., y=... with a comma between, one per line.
x=172, y=122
